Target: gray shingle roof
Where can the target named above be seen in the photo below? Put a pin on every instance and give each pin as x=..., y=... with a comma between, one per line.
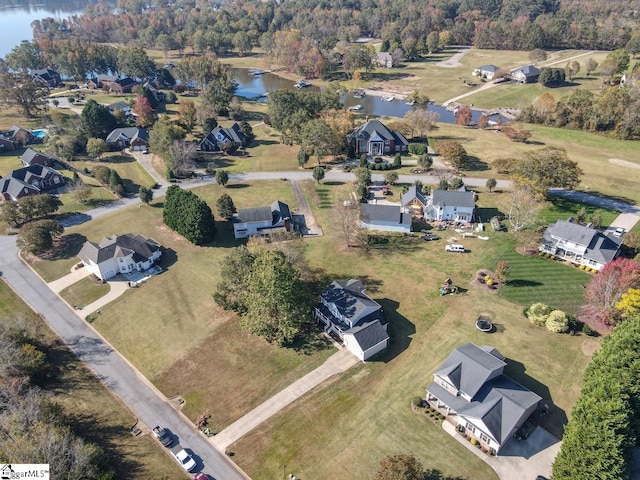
x=279, y=211
x=131, y=133
x=497, y=400
x=414, y=193
x=232, y=134
x=352, y=303
x=527, y=71
x=140, y=247
x=376, y=128
x=449, y=198
x=254, y=214
x=372, y=213
x=488, y=68
x=30, y=154
x=599, y=247
x=369, y=335
x=118, y=106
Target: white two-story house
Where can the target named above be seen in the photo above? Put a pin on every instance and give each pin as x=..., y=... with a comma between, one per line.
x=450, y=206
x=348, y=313
x=249, y=222
x=470, y=386
x=580, y=244
x=119, y=254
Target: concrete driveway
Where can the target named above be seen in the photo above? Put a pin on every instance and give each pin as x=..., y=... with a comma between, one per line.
x=518, y=459
x=75, y=276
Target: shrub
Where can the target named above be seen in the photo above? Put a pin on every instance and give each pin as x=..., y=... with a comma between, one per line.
x=553, y=257
x=587, y=330
x=557, y=322
x=416, y=401
x=541, y=254
x=581, y=267
x=417, y=148
x=474, y=441
x=538, y=313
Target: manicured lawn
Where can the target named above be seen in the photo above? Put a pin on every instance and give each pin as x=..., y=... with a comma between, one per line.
x=84, y=292
x=95, y=414
x=561, y=209
x=365, y=414
x=533, y=279
x=131, y=172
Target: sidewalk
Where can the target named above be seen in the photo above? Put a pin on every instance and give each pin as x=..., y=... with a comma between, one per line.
x=339, y=362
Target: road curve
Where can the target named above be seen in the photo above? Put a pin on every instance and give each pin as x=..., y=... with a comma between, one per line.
x=118, y=375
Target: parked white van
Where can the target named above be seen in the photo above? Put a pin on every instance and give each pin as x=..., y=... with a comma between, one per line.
x=454, y=248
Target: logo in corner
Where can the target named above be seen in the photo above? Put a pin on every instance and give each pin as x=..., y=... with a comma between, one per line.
x=6, y=471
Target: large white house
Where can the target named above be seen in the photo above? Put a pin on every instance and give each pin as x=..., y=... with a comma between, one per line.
x=470, y=387
x=249, y=222
x=449, y=205
x=580, y=244
x=119, y=254
x=346, y=311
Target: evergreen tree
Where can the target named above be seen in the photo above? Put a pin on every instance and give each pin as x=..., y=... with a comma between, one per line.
x=225, y=206
x=189, y=215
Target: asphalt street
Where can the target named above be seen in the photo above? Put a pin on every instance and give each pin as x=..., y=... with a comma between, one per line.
x=147, y=403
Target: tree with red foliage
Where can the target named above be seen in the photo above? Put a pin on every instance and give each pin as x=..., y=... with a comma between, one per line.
x=145, y=116
x=607, y=287
x=463, y=115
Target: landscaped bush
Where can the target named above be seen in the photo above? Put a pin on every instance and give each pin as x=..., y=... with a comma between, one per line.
x=474, y=441
x=538, y=313
x=587, y=330
x=416, y=401
x=557, y=322
x=417, y=148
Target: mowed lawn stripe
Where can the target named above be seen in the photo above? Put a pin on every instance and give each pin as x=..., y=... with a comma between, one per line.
x=533, y=279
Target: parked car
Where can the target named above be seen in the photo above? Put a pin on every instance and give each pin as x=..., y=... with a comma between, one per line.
x=184, y=459
x=200, y=476
x=454, y=248
x=618, y=232
x=430, y=236
x=163, y=435
x=418, y=170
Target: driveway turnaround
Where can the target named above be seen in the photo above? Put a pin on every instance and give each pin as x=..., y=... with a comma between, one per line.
x=335, y=364
x=119, y=376
x=517, y=459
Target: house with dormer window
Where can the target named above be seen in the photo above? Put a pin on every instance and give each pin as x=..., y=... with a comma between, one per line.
x=450, y=206
x=375, y=138
x=219, y=136
x=471, y=388
x=346, y=312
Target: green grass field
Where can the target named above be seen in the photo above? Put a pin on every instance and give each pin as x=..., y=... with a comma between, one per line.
x=84, y=292
x=562, y=209
x=95, y=414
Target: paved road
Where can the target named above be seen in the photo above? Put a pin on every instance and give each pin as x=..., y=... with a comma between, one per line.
x=337, y=363
x=598, y=201
x=111, y=368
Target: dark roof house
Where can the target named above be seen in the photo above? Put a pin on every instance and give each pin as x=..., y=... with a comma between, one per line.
x=526, y=74
x=33, y=157
x=119, y=254
x=374, y=138
x=29, y=180
x=414, y=200
x=359, y=321
x=386, y=218
x=134, y=137
x=248, y=222
x=384, y=60
x=217, y=137
x=580, y=244
x=471, y=387
x=47, y=77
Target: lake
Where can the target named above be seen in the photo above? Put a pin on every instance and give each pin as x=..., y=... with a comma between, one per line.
x=252, y=87
x=15, y=20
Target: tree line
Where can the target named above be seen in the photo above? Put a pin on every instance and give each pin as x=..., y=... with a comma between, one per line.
x=313, y=30
x=605, y=423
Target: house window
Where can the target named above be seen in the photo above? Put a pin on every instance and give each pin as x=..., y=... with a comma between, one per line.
x=470, y=427
x=484, y=438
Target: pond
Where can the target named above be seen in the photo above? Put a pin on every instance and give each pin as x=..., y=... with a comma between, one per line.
x=256, y=86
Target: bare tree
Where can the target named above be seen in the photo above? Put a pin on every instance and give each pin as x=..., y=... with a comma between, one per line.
x=346, y=216
x=181, y=155
x=522, y=207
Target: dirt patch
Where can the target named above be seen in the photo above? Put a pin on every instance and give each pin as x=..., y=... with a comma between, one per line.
x=624, y=163
x=589, y=347
x=480, y=280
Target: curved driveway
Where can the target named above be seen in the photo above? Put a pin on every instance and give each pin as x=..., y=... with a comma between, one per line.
x=118, y=375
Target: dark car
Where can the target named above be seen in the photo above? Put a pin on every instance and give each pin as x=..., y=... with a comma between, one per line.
x=430, y=236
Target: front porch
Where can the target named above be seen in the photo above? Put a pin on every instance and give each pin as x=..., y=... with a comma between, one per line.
x=324, y=319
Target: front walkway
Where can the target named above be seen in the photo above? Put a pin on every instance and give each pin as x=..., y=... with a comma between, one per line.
x=337, y=363
x=518, y=459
